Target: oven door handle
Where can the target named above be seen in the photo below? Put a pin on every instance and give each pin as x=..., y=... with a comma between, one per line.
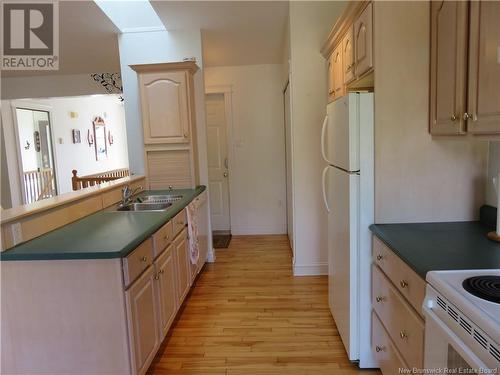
x=454, y=340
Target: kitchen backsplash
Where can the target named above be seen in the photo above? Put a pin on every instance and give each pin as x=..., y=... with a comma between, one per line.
x=493, y=170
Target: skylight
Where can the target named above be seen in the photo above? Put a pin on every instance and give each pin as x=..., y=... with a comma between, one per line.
x=131, y=15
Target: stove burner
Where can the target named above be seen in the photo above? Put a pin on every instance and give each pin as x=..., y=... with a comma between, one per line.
x=486, y=287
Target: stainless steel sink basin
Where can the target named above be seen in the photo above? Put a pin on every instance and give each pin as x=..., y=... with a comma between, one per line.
x=145, y=206
x=164, y=198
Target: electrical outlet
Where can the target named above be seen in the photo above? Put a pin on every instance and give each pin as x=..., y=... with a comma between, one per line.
x=17, y=233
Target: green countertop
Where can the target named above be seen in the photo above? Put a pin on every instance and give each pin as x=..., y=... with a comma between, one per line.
x=441, y=246
x=103, y=235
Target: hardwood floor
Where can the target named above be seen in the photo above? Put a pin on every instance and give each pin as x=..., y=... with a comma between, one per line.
x=247, y=314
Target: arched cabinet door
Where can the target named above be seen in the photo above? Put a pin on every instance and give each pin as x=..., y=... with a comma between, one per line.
x=348, y=52
x=165, y=107
x=363, y=40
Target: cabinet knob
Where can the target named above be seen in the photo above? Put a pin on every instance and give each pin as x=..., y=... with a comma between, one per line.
x=467, y=116
x=380, y=298
x=403, y=335
x=161, y=272
x=156, y=277
x=379, y=349
x=379, y=257
x=166, y=238
x=144, y=259
x=453, y=118
x=185, y=135
x=403, y=283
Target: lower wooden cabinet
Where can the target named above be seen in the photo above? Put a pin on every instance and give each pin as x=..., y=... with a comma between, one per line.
x=166, y=285
x=181, y=251
x=385, y=352
x=397, y=322
x=143, y=322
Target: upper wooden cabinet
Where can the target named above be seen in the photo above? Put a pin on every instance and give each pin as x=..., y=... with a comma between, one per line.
x=165, y=91
x=348, y=56
x=363, y=41
x=349, y=50
x=483, y=99
x=465, y=70
x=448, y=66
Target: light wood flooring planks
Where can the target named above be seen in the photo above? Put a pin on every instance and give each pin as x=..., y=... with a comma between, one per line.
x=247, y=314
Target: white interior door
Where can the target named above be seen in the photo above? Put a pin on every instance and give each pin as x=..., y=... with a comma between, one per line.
x=288, y=150
x=218, y=168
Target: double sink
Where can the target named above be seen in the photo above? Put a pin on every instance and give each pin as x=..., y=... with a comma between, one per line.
x=149, y=203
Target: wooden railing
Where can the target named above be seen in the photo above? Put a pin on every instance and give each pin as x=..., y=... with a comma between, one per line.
x=96, y=179
x=38, y=185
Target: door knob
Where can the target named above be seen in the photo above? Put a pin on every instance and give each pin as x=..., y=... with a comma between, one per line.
x=225, y=174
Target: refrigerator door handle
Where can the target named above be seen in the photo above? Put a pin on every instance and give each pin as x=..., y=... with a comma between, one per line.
x=323, y=131
x=323, y=179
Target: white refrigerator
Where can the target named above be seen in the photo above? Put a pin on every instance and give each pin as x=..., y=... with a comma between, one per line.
x=348, y=192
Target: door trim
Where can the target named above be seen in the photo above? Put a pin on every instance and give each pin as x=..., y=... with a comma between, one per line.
x=227, y=91
x=33, y=106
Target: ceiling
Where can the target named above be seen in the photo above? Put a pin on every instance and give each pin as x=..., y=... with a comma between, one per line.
x=234, y=32
x=88, y=42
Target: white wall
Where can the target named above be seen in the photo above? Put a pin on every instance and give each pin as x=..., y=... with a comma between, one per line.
x=81, y=156
x=257, y=191
x=45, y=86
x=493, y=171
x=310, y=23
x=417, y=178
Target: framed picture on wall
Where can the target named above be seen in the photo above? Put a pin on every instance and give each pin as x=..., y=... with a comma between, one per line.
x=101, y=148
x=76, y=136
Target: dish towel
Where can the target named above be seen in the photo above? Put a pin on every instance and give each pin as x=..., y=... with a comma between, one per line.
x=192, y=218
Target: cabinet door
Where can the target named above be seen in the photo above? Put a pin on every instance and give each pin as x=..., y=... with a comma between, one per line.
x=165, y=277
x=338, y=70
x=484, y=68
x=183, y=267
x=348, y=56
x=165, y=107
x=448, y=66
x=331, y=84
x=143, y=321
x=363, y=41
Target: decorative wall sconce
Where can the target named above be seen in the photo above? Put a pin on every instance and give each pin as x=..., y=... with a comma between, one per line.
x=90, y=137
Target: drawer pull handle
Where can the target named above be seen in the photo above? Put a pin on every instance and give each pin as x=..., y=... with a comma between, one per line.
x=403, y=283
x=156, y=277
x=379, y=349
x=380, y=299
x=379, y=257
x=144, y=259
x=403, y=335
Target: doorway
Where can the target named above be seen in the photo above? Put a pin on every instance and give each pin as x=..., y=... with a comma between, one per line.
x=218, y=168
x=36, y=156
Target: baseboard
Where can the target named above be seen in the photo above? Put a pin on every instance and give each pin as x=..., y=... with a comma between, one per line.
x=256, y=231
x=310, y=269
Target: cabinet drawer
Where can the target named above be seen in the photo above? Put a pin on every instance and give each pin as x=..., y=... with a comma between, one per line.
x=137, y=261
x=404, y=278
x=162, y=238
x=179, y=222
x=404, y=326
x=387, y=356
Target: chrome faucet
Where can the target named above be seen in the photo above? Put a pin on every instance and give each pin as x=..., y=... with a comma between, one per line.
x=127, y=194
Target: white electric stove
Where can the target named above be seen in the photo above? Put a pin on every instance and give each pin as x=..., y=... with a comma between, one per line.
x=462, y=325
